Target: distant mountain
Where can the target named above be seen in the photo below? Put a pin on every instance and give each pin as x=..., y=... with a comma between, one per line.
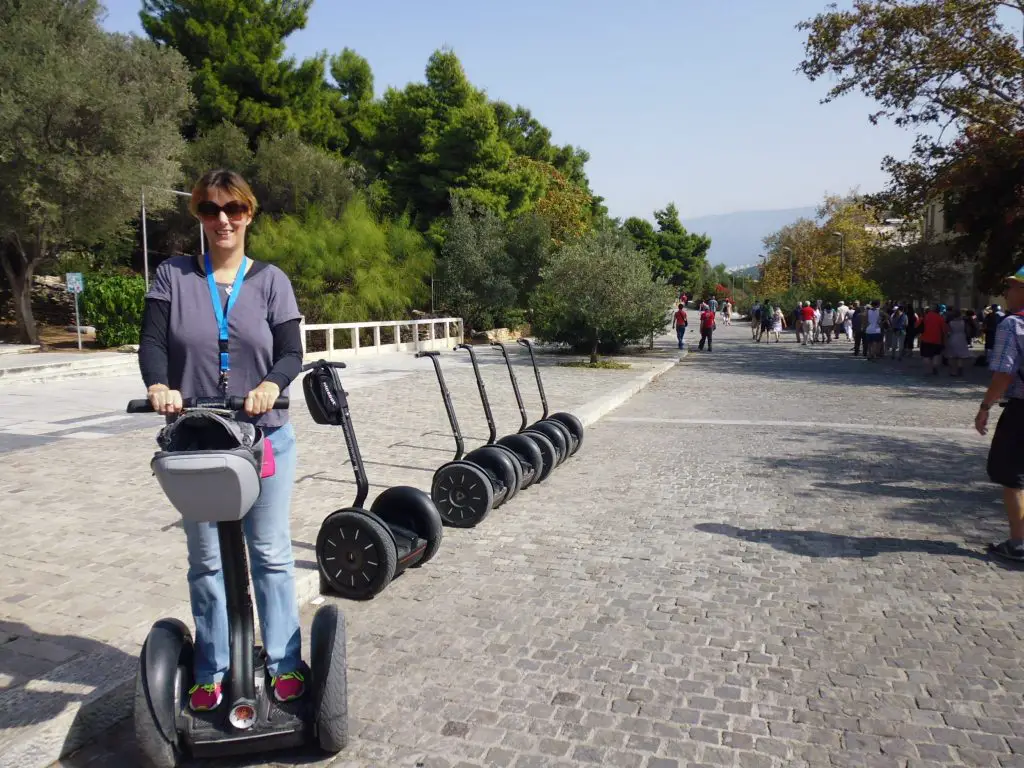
x=736, y=237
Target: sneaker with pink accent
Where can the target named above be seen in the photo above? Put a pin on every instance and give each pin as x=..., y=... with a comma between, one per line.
x=203, y=698
x=289, y=686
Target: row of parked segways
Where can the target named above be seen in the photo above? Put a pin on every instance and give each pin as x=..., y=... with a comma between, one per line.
x=211, y=468
x=359, y=551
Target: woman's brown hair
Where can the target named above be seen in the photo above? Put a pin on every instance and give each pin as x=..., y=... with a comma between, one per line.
x=227, y=181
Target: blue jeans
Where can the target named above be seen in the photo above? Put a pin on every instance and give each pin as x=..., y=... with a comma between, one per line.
x=268, y=535
x=680, y=334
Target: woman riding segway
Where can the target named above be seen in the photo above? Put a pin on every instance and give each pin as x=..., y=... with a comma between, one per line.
x=225, y=325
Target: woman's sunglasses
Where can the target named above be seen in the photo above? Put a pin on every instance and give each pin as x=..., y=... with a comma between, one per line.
x=235, y=211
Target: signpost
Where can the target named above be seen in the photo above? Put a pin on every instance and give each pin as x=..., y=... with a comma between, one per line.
x=75, y=285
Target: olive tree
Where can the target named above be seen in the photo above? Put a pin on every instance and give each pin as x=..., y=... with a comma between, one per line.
x=87, y=118
x=599, y=289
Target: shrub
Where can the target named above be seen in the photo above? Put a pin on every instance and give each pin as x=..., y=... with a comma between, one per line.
x=114, y=304
x=348, y=269
x=597, y=295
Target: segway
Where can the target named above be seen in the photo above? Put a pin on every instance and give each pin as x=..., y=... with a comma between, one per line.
x=359, y=552
x=572, y=425
x=549, y=441
x=210, y=468
x=465, y=490
x=491, y=430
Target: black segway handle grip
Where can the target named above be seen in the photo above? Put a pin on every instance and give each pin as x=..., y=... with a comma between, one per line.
x=428, y=354
x=334, y=364
x=525, y=342
x=230, y=403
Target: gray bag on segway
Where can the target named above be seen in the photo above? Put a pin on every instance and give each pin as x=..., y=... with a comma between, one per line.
x=209, y=466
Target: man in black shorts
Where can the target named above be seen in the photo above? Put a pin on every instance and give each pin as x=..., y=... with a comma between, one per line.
x=1006, y=455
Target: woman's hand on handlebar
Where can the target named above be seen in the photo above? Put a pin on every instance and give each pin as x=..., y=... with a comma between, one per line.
x=262, y=399
x=164, y=400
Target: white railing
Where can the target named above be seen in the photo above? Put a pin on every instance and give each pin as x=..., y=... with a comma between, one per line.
x=433, y=340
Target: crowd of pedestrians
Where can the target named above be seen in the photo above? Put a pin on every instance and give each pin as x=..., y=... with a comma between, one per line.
x=944, y=335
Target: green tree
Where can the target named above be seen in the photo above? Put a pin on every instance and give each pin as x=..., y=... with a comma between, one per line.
x=290, y=176
x=441, y=137
x=350, y=268
x=680, y=256
x=87, y=118
x=476, y=273
x=599, y=288
x=358, y=111
x=528, y=244
x=236, y=49
x=949, y=71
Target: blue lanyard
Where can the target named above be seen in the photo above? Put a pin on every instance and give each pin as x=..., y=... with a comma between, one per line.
x=222, y=315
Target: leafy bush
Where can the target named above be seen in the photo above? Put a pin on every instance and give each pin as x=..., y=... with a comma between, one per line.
x=597, y=295
x=347, y=269
x=114, y=304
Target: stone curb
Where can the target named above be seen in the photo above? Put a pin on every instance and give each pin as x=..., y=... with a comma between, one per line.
x=44, y=372
x=109, y=703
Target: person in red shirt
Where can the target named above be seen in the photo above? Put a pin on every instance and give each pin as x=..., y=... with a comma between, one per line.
x=934, y=331
x=806, y=321
x=679, y=322
x=707, y=326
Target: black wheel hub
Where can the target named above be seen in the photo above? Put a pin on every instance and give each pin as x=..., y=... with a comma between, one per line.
x=458, y=499
x=351, y=557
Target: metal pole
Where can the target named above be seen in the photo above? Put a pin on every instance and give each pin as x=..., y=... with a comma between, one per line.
x=78, y=323
x=145, y=245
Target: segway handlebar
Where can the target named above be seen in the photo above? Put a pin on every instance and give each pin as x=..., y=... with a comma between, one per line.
x=335, y=364
x=536, y=372
x=515, y=383
x=435, y=358
x=189, y=403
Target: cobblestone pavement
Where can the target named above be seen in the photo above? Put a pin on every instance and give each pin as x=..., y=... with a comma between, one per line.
x=705, y=585
x=96, y=554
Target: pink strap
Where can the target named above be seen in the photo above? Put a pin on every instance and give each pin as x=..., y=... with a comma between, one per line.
x=269, y=466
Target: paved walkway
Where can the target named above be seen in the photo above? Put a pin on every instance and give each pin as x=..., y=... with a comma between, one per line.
x=96, y=554
x=772, y=556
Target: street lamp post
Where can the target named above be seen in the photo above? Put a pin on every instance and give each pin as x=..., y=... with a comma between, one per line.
x=145, y=239
x=842, y=252
x=787, y=248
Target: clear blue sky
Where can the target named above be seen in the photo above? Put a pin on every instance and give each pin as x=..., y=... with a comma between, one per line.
x=692, y=101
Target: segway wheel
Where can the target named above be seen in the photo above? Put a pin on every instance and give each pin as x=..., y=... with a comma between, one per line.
x=329, y=662
x=356, y=554
x=161, y=683
x=567, y=436
x=575, y=426
x=552, y=430
x=548, y=452
x=494, y=459
x=517, y=468
x=528, y=453
x=411, y=508
x=463, y=494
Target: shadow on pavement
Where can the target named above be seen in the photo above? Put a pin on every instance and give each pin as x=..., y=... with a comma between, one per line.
x=935, y=481
x=820, y=544
x=45, y=673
